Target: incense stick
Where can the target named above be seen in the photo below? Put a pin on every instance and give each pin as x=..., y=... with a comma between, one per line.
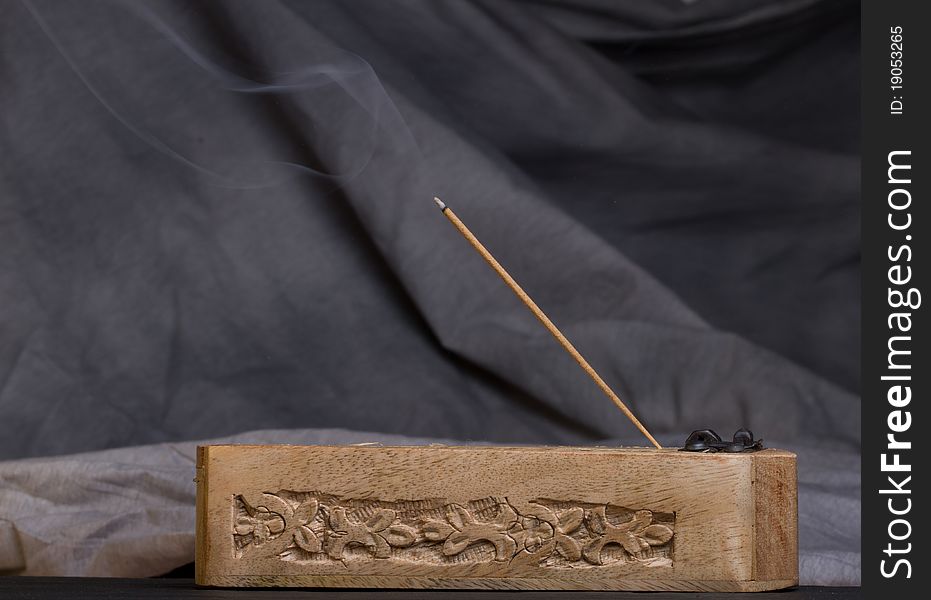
x=564, y=342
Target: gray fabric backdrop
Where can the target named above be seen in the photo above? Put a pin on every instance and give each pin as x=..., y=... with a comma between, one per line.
x=217, y=217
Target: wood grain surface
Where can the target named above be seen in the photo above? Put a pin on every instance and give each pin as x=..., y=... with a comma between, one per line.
x=495, y=518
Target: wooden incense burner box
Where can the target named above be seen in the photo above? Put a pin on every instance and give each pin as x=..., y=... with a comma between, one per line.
x=496, y=518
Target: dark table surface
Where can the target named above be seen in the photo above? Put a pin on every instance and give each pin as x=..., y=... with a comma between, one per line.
x=88, y=587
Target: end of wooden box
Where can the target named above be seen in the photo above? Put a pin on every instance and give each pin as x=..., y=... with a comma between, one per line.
x=200, y=537
x=775, y=494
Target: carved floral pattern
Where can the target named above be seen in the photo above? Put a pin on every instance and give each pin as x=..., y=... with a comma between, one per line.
x=635, y=536
x=302, y=526
x=377, y=533
x=260, y=524
x=562, y=527
x=468, y=531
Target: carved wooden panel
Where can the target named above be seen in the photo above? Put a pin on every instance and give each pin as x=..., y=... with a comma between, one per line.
x=310, y=526
x=495, y=518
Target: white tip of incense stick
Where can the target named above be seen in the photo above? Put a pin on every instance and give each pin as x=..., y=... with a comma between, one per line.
x=439, y=203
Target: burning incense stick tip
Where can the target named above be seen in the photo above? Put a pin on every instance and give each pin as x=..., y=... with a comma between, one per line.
x=439, y=203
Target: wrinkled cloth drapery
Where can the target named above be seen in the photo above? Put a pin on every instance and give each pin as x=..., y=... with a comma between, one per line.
x=217, y=217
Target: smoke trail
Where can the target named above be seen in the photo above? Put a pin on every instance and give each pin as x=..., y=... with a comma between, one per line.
x=363, y=110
